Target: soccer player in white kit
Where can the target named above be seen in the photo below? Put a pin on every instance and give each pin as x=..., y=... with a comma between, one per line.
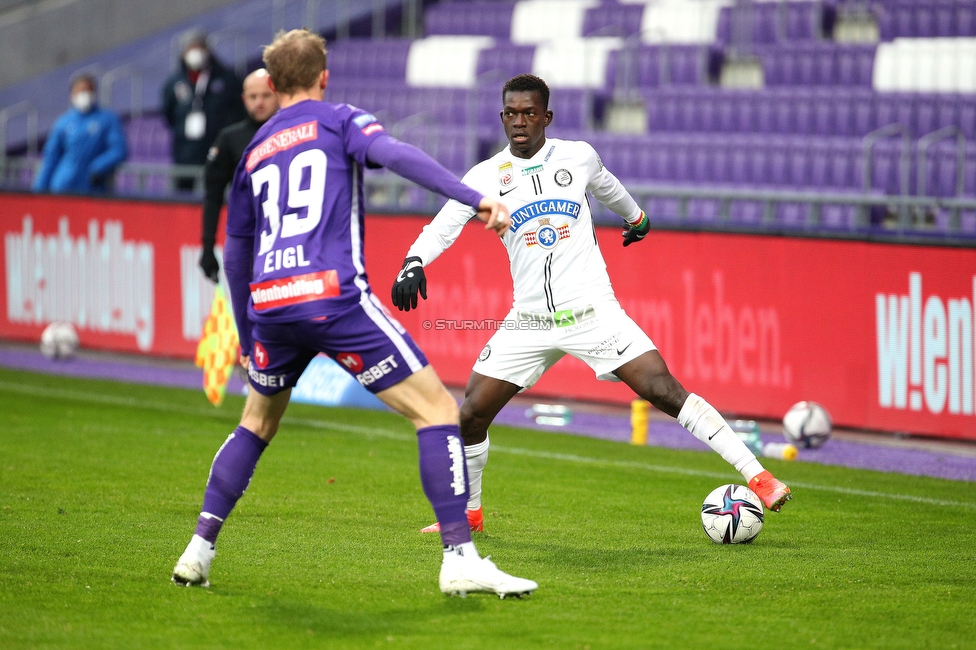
x=563, y=301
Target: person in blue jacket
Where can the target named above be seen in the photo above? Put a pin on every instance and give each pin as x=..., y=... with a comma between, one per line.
x=84, y=146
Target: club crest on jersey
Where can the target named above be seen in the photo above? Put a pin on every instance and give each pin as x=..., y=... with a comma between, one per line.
x=505, y=175
x=563, y=178
x=546, y=236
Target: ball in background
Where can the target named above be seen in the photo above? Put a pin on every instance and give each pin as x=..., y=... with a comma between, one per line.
x=732, y=514
x=807, y=425
x=59, y=340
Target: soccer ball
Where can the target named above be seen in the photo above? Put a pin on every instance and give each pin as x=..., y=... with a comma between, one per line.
x=807, y=424
x=59, y=340
x=732, y=514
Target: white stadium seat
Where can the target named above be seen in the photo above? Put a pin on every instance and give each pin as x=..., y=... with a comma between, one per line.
x=539, y=21
x=926, y=65
x=445, y=61
x=576, y=63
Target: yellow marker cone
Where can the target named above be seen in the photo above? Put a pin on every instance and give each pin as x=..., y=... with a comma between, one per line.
x=638, y=421
x=219, y=348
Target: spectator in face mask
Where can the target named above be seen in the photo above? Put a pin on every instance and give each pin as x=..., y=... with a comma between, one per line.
x=84, y=146
x=199, y=99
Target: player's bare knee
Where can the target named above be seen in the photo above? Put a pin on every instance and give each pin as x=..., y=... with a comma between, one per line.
x=664, y=392
x=439, y=409
x=474, y=425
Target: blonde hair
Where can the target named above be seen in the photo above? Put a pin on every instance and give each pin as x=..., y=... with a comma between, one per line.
x=295, y=60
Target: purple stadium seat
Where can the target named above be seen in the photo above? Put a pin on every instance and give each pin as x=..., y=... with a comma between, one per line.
x=369, y=59
x=799, y=161
x=688, y=63
x=765, y=27
x=891, y=108
x=971, y=173
x=965, y=19
x=855, y=64
x=885, y=172
x=820, y=164
x=966, y=115
x=865, y=117
x=475, y=18
x=613, y=19
x=945, y=17
x=924, y=115
x=572, y=108
x=504, y=61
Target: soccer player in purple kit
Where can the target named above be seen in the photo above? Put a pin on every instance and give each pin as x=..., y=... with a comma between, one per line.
x=295, y=269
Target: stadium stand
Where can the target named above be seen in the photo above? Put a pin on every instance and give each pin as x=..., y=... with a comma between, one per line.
x=832, y=134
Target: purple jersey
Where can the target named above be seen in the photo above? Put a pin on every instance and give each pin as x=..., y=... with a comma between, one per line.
x=298, y=193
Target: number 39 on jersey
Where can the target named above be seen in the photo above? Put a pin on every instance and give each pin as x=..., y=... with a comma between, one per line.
x=310, y=165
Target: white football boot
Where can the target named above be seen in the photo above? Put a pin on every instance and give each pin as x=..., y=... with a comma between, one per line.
x=461, y=576
x=193, y=567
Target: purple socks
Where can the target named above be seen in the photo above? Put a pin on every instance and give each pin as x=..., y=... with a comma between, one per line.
x=230, y=475
x=444, y=475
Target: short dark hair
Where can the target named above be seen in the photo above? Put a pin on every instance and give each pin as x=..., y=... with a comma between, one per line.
x=527, y=83
x=86, y=78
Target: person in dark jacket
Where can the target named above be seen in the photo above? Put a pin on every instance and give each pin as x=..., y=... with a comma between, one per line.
x=199, y=100
x=84, y=146
x=261, y=103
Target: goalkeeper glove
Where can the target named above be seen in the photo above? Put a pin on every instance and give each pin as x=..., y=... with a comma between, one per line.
x=637, y=231
x=410, y=280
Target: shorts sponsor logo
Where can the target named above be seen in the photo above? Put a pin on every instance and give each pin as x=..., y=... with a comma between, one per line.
x=528, y=171
x=485, y=353
x=261, y=379
x=570, y=317
x=606, y=346
x=260, y=356
x=350, y=361
x=294, y=290
x=282, y=141
x=505, y=175
x=563, y=178
x=380, y=370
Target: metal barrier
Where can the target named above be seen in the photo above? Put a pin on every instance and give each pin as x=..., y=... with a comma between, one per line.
x=387, y=192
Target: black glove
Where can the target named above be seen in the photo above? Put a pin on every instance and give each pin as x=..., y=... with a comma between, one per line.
x=408, y=282
x=637, y=233
x=209, y=264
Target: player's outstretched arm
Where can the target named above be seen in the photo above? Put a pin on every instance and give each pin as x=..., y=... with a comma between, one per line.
x=495, y=215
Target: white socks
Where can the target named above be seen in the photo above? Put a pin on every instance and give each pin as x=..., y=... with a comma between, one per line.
x=465, y=551
x=476, y=457
x=705, y=423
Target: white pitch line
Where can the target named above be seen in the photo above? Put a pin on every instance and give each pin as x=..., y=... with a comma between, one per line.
x=391, y=434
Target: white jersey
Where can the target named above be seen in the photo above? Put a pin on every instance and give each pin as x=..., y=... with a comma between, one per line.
x=555, y=260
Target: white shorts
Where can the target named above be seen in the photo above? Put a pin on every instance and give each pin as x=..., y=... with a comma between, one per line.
x=529, y=343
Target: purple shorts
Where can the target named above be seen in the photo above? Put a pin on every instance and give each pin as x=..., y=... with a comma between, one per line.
x=366, y=341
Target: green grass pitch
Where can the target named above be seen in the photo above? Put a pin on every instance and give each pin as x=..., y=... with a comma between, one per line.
x=100, y=485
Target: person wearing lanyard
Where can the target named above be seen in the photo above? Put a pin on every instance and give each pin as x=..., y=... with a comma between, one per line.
x=199, y=99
